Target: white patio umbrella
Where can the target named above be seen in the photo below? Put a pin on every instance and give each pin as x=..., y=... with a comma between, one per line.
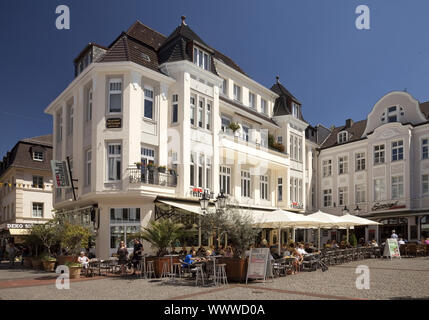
x=325, y=220
x=279, y=219
x=356, y=221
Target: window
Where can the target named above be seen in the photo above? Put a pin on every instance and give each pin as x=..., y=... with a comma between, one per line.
x=299, y=198
x=37, y=210
x=225, y=123
x=201, y=58
x=148, y=103
x=89, y=106
x=37, y=182
x=379, y=189
x=245, y=132
x=115, y=96
x=225, y=179
x=208, y=173
x=208, y=115
x=327, y=197
x=264, y=108
x=71, y=120
x=245, y=184
x=425, y=147
x=343, y=165
x=59, y=126
x=299, y=156
x=38, y=156
x=88, y=161
x=263, y=187
x=192, y=111
x=192, y=171
x=379, y=154
x=342, y=137
x=342, y=196
x=124, y=223
x=252, y=100
x=224, y=87
x=201, y=171
x=175, y=113
x=425, y=184
x=360, y=161
x=237, y=93
x=327, y=168
x=147, y=156
x=397, y=187
x=280, y=189
x=279, y=139
x=295, y=110
x=114, y=159
x=397, y=150
x=200, y=113
x=360, y=193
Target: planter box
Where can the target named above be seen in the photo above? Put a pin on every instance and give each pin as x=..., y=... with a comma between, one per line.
x=36, y=263
x=158, y=263
x=75, y=272
x=236, y=268
x=49, y=266
x=62, y=260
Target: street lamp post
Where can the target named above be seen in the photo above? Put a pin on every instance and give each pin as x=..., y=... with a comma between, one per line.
x=204, y=203
x=220, y=205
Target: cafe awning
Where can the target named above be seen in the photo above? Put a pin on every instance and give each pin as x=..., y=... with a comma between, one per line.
x=191, y=207
x=19, y=232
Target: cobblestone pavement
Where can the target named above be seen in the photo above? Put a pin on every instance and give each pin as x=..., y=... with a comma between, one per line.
x=395, y=279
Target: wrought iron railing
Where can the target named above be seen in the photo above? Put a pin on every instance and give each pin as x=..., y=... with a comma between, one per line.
x=152, y=176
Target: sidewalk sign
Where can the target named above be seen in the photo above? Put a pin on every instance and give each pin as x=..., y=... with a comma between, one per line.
x=391, y=249
x=259, y=264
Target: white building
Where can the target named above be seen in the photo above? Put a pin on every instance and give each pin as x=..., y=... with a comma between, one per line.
x=25, y=187
x=381, y=166
x=168, y=102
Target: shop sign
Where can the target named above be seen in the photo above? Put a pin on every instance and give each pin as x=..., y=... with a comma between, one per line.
x=19, y=225
x=61, y=174
x=114, y=123
x=387, y=206
x=391, y=249
x=259, y=265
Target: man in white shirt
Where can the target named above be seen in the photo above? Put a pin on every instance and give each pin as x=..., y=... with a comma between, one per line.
x=83, y=260
x=301, y=250
x=394, y=235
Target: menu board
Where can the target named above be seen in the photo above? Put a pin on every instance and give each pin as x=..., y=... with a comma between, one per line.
x=391, y=248
x=258, y=263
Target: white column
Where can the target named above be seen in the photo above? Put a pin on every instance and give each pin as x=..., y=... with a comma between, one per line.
x=216, y=126
x=163, y=117
x=185, y=148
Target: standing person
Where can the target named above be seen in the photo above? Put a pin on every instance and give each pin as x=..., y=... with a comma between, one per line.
x=122, y=256
x=11, y=251
x=137, y=254
x=394, y=235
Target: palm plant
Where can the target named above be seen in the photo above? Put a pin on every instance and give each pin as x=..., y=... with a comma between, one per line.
x=162, y=234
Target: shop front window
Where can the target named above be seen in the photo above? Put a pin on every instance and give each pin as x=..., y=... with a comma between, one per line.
x=124, y=224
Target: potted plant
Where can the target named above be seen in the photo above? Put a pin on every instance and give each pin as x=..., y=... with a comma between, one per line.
x=150, y=166
x=74, y=269
x=162, y=169
x=241, y=234
x=74, y=238
x=48, y=263
x=161, y=234
x=138, y=165
x=48, y=235
x=234, y=126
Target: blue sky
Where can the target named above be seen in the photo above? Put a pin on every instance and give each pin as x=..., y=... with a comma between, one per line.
x=335, y=70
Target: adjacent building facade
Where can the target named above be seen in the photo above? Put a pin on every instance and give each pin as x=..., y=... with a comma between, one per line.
x=25, y=186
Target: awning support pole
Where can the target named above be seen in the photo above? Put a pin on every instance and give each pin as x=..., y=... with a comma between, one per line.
x=318, y=237
x=199, y=231
x=279, y=238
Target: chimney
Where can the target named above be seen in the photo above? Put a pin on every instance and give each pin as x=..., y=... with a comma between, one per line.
x=183, y=20
x=349, y=123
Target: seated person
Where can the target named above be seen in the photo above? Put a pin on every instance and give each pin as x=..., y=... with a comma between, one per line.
x=374, y=243
x=190, y=259
x=201, y=251
x=301, y=250
x=183, y=252
x=83, y=260
x=308, y=248
x=274, y=253
x=229, y=253
x=173, y=250
x=220, y=250
x=401, y=241
x=298, y=260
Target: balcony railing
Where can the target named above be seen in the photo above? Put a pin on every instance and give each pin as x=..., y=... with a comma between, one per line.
x=152, y=176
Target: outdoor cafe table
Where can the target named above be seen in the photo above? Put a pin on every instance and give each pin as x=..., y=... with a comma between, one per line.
x=171, y=262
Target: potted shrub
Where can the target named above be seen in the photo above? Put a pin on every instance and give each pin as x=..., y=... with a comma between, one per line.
x=48, y=263
x=241, y=234
x=48, y=235
x=74, y=238
x=138, y=165
x=74, y=269
x=161, y=235
x=150, y=166
x=234, y=126
x=162, y=169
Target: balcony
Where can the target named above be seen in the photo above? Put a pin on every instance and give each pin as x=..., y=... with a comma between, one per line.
x=151, y=176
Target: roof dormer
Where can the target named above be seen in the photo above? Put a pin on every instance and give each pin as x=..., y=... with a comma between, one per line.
x=342, y=137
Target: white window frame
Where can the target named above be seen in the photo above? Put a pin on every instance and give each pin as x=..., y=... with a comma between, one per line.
x=379, y=154
x=425, y=148
x=342, y=137
x=360, y=161
x=246, y=184
x=263, y=187
x=208, y=120
x=39, y=182
x=252, y=100
x=88, y=116
x=397, y=187
x=237, y=92
x=38, y=156
x=398, y=146
x=343, y=164
x=175, y=108
x=360, y=193
x=201, y=59
x=225, y=179
x=327, y=167
x=327, y=198
x=425, y=184
x=71, y=120
x=200, y=113
x=115, y=157
x=39, y=208
x=379, y=195
x=192, y=110
x=149, y=98
x=115, y=91
x=88, y=165
x=59, y=126
x=279, y=189
x=343, y=196
x=264, y=106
